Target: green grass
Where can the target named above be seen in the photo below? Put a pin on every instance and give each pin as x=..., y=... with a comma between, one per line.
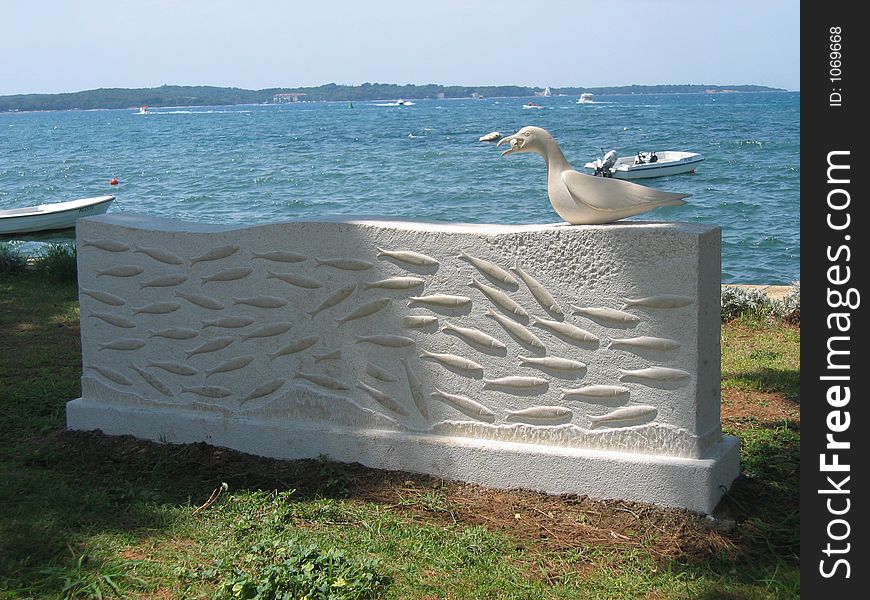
x=87, y=516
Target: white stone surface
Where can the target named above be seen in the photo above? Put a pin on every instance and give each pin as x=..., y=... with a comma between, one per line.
x=271, y=340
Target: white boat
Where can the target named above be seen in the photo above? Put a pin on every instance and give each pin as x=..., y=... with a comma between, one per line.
x=51, y=217
x=403, y=102
x=645, y=165
x=546, y=93
x=532, y=105
x=586, y=98
x=143, y=110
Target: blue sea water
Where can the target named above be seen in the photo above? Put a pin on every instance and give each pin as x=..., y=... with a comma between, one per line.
x=267, y=163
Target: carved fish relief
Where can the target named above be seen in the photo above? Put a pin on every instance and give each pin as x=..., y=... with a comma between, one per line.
x=297, y=280
x=322, y=380
x=174, y=367
x=213, y=345
x=233, y=364
x=279, y=256
x=628, y=413
x=261, y=301
x=499, y=298
x=488, y=268
x=553, y=362
x=595, y=392
x=391, y=341
x=662, y=301
x=416, y=389
x=164, y=281
x=153, y=381
x=566, y=329
x=644, y=343
x=412, y=258
x=295, y=346
x=655, y=374
x=608, y=315
x=380, y=374
x=123, y=344
x=207, y=391
x=517, y=381
x=516, y=330
x=228, y=322
x=175, y=333
x=215, y=254
x=270, y=330
x=537, y=414
x=345, y=264
x=228, y=275
x=365, y=310
x=116, y=320
x=121, y=271
x=336, y=297
x=445, y=300
x=267, y=388
x=157, y=308
x=160, y=255
x=417, y=321
x=466, y=406
x=382, y=398
x=394, y=283
x=539, y=292
x=334, y=355
x=201, y=301
x=452, y=360
x=474, y=336
x=111, y=375
x=104, y=297
x=107, y=245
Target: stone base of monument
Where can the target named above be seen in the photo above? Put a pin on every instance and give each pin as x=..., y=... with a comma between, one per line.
x=565, y=359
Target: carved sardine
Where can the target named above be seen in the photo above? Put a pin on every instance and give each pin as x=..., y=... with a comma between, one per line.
x=382, y=398
x=120, y=271
x=297, y=280
x=112, y=319
x=157, y=308
x=488, y=268
x=213, y=345
x=655, y=374
x=553, y=362
x=233, y=364
x=394, y=283
x=516, y=330
x=475, y=336
x=379, y=373
x=452, y=360
x=412, y=258
x=123, y=344
x=207, y=391
x=160, y=255
x=445, y=300
x=228, y=275
x=153, y=381
x=175, y=333
x=516, y=381
x=607, y=315
x=280, y=256
x=539, y=292
x=267, y=388
x=334, y=355
x=112, y=375
x=595, y=392
x=261, y=301
x=336, y=297
x=215, y=254
x=345, y=264
x=565, y=329
x=107, y=245
x=323, y=380
x=467, y=406
x=537, y=414
x=270, y=330
x=104, y=297
x=628, y=413
x=201, y=301
x=174, y=367
x=391, y=341
x=417, y=321
x=644, y=343
x=228, y=322
x=662, y=301
x=294, y=347
x=164, y=281
x=499, y=298
x=416, y=389
x=365, y=310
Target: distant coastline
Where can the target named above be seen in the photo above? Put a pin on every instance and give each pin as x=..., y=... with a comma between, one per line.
x=185, y=96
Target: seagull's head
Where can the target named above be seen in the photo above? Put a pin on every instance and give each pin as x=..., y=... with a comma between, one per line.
x=527, y=139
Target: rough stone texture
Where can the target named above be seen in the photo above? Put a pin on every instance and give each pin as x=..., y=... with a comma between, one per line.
x=195, y=332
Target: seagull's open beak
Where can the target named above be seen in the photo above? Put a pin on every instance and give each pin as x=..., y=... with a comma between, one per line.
x=515, y=144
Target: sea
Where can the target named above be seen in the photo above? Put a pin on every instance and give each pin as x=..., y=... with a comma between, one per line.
x=253, y=164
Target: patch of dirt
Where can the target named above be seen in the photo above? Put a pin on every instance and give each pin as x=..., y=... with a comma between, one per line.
x=740, y=405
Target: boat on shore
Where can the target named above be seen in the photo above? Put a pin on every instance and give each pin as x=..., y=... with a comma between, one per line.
x=645, y=165
x=56, y=216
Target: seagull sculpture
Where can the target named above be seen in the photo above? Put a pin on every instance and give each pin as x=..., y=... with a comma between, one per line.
x=585, y=199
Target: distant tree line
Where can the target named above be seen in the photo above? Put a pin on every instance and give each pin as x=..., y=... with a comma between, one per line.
x=177, y=95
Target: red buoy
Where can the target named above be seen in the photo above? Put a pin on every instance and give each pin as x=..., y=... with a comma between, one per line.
x=113, y=181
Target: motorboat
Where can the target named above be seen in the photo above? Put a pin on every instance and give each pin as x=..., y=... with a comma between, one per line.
x=51, y=217
x=586, y=98
x=645, y=165
x=403, y=102
x=532, y=105
x=492, y=136
x=143, y=110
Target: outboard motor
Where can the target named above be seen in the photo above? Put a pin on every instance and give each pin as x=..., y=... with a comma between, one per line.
x=605, y=164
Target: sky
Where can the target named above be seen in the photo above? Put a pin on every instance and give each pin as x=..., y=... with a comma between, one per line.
x=52, y=46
